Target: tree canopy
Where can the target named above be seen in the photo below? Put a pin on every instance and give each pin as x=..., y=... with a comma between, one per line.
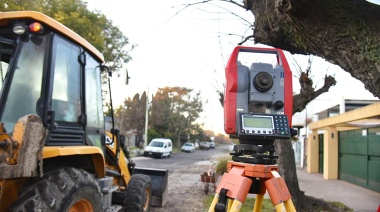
x=131, y=116
x=91, y=25
x=174, y=113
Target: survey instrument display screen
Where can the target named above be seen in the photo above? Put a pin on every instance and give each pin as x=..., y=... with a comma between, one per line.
x=258, y=122
x=264, y=126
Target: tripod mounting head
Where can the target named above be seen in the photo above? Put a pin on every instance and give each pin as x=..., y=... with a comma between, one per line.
x=254, y=154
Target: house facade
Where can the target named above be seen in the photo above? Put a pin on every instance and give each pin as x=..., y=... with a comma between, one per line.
x=346, y=146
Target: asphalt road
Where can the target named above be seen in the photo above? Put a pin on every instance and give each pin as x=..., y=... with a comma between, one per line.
x=178, y=160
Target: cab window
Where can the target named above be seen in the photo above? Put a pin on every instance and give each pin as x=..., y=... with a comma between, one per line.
x=93, y=94
x=66, y=89
x=25, y=87
x=94, y=110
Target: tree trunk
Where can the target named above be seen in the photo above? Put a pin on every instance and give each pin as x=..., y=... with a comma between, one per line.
x=287, y=169
x=178, y=143
x=344, y=32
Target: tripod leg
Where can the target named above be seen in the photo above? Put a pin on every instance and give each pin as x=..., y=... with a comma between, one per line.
x=258, y=202
x=230, y=201
x=237, y=187
x=216, y=199
x=289, y=205
x=213, y=203
x=235, y=206
x=280, y=207
x=279, y=193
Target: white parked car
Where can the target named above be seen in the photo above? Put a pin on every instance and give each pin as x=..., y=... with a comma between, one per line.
x=188, y=147
x=159, y=148
x=211, y=145
x=204, y=145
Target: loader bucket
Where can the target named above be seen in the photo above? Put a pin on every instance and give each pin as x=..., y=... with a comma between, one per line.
x=159, y=184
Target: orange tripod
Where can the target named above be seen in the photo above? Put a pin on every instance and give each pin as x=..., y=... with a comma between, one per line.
x=244, y=178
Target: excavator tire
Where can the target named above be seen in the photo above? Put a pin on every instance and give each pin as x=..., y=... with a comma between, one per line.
x=64, y=189
x=138, y=194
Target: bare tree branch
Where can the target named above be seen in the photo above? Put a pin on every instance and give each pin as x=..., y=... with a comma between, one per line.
x=245, y=40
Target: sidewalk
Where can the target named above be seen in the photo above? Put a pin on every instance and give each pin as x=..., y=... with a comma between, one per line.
x=358, y=198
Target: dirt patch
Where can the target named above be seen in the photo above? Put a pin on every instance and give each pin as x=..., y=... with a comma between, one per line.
x=186, y=193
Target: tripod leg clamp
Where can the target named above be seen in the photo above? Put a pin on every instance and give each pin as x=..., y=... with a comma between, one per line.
x=221, y=206
x=277, y=189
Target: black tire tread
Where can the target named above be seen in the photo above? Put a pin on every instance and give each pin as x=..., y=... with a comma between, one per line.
x=134, y=194
x=55, y=190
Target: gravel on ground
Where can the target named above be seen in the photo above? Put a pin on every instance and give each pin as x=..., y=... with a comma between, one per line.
x=185, y=190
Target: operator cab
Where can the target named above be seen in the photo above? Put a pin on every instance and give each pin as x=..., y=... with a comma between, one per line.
x=55, y=76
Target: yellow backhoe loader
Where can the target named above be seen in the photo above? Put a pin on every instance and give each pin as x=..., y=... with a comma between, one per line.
x=55, y=153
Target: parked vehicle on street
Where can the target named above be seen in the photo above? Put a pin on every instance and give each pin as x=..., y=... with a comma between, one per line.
x=211, y=145
x=188, y=147
x=159, y=148
x=204, y=145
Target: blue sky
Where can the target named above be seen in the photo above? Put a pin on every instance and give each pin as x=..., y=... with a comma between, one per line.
x=191, y=48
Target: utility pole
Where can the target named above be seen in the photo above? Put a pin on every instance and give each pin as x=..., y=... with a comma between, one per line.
x=146, y=118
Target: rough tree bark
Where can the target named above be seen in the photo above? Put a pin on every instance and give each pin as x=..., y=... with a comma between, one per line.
x=307, y=92
x=344, y=32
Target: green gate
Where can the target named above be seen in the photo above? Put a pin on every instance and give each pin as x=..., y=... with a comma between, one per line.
x=359, y=157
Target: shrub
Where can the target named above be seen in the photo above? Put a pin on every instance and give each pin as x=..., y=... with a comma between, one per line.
x=221, y=167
